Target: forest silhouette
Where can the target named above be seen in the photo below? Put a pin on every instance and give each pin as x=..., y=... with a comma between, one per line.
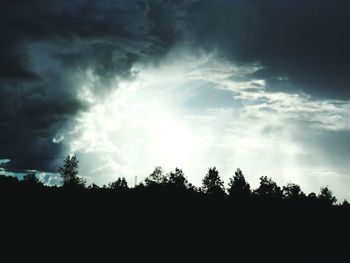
x=165, y=214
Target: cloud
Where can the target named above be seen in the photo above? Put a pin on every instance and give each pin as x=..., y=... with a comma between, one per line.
x=300, y=46
x=49, y=179
x=4, y=161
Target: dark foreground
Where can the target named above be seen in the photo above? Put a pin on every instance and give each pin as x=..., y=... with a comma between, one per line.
x=57, y=225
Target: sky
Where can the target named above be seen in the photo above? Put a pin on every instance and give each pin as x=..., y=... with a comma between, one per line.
x=130, y=85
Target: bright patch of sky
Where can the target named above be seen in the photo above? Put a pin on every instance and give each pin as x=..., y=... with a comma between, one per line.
x=195, y=111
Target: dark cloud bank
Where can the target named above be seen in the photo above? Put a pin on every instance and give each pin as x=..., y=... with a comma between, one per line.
x=301, y=45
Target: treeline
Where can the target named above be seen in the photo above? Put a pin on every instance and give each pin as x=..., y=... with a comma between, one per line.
x=175, y=182
x=165, y=214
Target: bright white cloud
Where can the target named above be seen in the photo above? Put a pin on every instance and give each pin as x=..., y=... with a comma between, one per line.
x=150, y=120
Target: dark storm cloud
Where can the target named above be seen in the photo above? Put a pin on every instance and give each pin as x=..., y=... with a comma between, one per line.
x=44, y=43
x=94, y=27
x=301, y=44
x=30, y=117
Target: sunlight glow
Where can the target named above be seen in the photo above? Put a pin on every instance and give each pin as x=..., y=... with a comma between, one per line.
x=157, y=117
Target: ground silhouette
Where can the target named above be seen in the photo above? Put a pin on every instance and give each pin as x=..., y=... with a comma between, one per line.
x=166, y=215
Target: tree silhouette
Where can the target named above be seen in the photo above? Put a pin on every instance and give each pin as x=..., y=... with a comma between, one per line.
x=8, y=182
x=30, y=180
x=326, y=197
x=292, y=192
x=238, y=187
x=177, y=179
x=268, y=190
x=69, y=173
x=212, y=183
x=93, y=186
x=174, y=211
x=345, y=204
x=156, y=178
x=311, y=199
x=119, y=184
x=194, y=188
